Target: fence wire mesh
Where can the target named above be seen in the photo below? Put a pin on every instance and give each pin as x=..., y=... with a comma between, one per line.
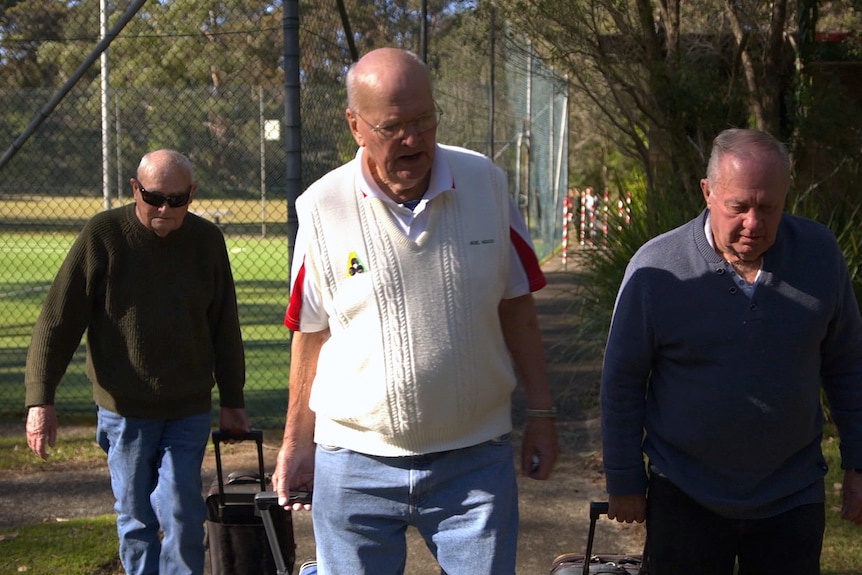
x=207, y=78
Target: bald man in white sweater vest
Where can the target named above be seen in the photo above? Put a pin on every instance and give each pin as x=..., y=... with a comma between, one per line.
x=413, y=321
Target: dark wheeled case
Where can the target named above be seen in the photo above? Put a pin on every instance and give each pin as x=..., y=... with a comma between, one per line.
x=268, y=507
x=574, y=563
x=236, y=537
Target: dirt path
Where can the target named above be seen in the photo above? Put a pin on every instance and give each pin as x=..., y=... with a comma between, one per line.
x=554, y=513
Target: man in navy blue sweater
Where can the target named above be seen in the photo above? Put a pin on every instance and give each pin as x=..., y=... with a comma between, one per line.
x=724, y=332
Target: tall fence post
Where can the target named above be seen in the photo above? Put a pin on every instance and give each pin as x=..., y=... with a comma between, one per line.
x=292, y=120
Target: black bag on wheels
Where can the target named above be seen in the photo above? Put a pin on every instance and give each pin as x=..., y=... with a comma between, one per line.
x=612, y=564
x=237, y=541
x=267, y=506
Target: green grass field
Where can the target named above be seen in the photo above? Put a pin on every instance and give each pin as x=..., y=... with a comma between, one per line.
x=29, y=260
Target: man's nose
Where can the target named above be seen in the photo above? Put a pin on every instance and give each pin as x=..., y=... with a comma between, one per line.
x=411, y=134
x=752, y=219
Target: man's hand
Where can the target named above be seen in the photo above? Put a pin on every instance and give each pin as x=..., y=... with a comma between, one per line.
x=294, y=471
x=41, y=429
x=851, y=494
x=540, y=448
x=627, y=508
x=233, y=420
x=294, y=467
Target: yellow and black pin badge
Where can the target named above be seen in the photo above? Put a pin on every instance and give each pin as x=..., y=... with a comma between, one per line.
x=354, y=265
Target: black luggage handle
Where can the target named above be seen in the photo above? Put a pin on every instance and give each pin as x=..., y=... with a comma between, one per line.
x=597, y=509
x=220, y=436
x=264, y=502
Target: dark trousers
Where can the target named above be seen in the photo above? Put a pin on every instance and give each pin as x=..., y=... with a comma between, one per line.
x=687, y=538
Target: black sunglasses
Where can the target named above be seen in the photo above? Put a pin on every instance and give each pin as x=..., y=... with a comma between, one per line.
x=158, y=200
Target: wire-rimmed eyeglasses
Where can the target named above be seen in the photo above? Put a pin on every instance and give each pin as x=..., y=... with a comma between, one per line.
x=397, y=130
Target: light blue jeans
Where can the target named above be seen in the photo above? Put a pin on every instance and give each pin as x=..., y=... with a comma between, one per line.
x=155, y=470
x=464, y=503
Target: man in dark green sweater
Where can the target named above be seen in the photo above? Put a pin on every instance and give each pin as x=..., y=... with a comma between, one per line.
x=152, y=287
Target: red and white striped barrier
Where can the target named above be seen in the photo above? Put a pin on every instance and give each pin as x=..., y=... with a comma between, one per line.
x=568, y=217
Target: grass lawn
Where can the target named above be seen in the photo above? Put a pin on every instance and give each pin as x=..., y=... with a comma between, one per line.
x=842, y=544
x=29, y=261
x=78, y=546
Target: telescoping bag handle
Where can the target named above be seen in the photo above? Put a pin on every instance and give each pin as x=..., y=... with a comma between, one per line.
x=220, y=436
x=597, y=509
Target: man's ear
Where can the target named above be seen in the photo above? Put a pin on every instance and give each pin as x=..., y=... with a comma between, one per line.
x=704, y=187
x=353, y=124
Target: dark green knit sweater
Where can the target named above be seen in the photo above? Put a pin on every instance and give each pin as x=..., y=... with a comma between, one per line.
x=160, y=316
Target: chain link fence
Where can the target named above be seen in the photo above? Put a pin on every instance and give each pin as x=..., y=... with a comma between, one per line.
x=207, y=78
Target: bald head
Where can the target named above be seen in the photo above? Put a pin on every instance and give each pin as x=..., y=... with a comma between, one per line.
x=162, y=162
x=387, y=74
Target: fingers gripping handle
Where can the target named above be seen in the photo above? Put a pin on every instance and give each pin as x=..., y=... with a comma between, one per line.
x=597, y=509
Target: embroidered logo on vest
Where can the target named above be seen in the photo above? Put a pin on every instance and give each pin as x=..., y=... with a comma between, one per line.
x=354, y=266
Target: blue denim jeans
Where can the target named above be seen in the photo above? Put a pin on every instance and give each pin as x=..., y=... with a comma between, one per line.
x=464, y=504
x=155, y=470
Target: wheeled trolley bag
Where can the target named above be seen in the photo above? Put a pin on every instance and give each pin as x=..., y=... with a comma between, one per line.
x=268, y=508
x=236, y=536
x=615, y=564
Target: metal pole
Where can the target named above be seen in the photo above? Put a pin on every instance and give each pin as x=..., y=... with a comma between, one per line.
x=348, y=33
x=491, y=83
x=104, y=82
x=529, y=131
x=262, y=165
x=423, y=32
x=120, y=183
x=70, y=83
x=292, y=120
x=561, y=187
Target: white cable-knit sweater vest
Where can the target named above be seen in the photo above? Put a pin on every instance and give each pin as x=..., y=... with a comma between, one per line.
x=416, y=362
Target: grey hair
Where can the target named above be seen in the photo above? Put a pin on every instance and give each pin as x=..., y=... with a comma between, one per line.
x=744, y=143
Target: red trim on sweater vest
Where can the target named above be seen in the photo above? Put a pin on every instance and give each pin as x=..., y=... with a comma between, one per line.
x=529, y=261
x=294, y=305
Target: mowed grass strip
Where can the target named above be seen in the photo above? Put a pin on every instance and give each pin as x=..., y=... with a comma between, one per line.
x=86, y=546
x=30, y=260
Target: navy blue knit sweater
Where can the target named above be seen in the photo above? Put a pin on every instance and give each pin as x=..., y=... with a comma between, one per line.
x=722, y=392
